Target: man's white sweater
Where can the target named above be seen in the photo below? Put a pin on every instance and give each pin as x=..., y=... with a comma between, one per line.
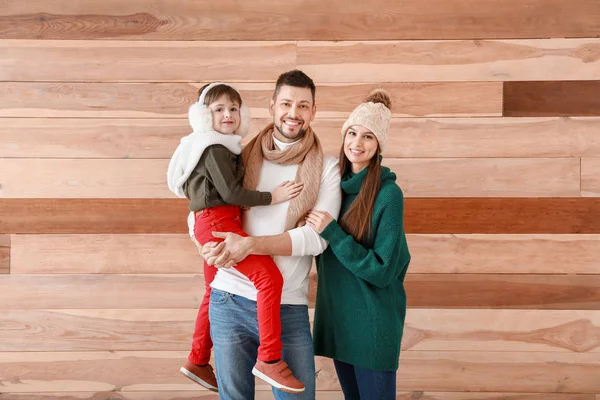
x=270, y=220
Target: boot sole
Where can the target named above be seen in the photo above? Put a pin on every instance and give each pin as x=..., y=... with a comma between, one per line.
x=275, y=384
x=199, y=381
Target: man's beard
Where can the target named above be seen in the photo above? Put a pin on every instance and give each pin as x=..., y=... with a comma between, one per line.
x=299, y=136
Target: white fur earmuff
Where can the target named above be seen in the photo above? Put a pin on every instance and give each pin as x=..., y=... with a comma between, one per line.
x=200, y=115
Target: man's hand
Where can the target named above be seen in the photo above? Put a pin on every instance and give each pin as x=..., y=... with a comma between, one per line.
x=210, y=252
x=227, y=254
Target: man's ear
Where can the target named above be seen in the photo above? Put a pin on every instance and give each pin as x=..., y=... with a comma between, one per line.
x=271, y=105
x=314, y=110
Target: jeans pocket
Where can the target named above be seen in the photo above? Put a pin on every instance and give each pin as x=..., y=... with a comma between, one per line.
x=219, y=297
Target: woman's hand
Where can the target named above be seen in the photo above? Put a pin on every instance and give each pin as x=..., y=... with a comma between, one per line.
x=318, y=220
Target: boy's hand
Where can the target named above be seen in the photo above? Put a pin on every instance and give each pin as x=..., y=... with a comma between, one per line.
x=286, y=191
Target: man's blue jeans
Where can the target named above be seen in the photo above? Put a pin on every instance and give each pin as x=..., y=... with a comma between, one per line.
x=234, y=331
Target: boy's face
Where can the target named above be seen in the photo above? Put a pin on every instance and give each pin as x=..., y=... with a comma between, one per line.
x=225, y=115
x=292, y=110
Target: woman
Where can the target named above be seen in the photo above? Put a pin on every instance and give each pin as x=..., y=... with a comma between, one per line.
x=361, y=302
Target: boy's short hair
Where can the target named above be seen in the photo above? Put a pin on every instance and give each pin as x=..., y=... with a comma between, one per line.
x=217, y=91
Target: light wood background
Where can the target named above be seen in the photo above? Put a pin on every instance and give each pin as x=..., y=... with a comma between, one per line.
x=495, y=140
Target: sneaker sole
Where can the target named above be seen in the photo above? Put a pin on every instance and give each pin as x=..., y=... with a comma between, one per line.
x=199, y=381
x=276, y=385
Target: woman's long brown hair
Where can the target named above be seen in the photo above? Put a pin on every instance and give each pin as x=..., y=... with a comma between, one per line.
x=357, y=220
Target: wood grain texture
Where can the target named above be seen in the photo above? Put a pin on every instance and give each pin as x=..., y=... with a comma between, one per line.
x=106, y=254
x=134, y=291
x=502, y=215
x=527, y=331
x=4, y=254
x=267, y=395
x=552, y=98
x=410, y=137
x=491, y=291
x=551, y=372
x=487, y=177
x=96, y=100
x=502, y=330
x=422, y=215
x=472, y=60
x=90, y=138
x=93, y=216
x=94, y=330
x=140, y=61
x=432, y=254
x=300, y=20
x=496, y=254
x=172, y=100
x=590, y=177
x=527, y=372
x=141, y=178
x=77, y=178
x=87, y=291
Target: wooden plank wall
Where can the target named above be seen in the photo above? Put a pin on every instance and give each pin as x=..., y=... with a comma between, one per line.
x=494, y=140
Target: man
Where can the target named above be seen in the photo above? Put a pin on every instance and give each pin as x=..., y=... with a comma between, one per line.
x=286, y=150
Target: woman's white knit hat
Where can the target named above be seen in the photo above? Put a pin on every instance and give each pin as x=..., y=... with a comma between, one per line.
x=201, y=117
x=374, y=114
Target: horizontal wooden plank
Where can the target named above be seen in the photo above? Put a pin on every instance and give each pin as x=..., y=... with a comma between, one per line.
x=142, y=178
x=90, y=138
x=590, y=177
x=172, y=100
x=552, y=292
x=487, y=177
x=93, y=330
x=106, y=254
x=99, y=100
x=422, y=215
x=502, y=330
x=99, y=291
x=93, y=216
x=76, y=178
x=302, y=20
x=417, y=137
x=502, y=215
x=139, y=61
x=475, y=291
x=31, y=372
x=426, y=330
x=4, y=254
x=267, y=395
x=526, y=372
x=552, y=98
x=432, y=254
x=487, y=254
x=477, y=60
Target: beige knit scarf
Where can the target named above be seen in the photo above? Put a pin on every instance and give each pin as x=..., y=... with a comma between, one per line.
x=307, y=153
